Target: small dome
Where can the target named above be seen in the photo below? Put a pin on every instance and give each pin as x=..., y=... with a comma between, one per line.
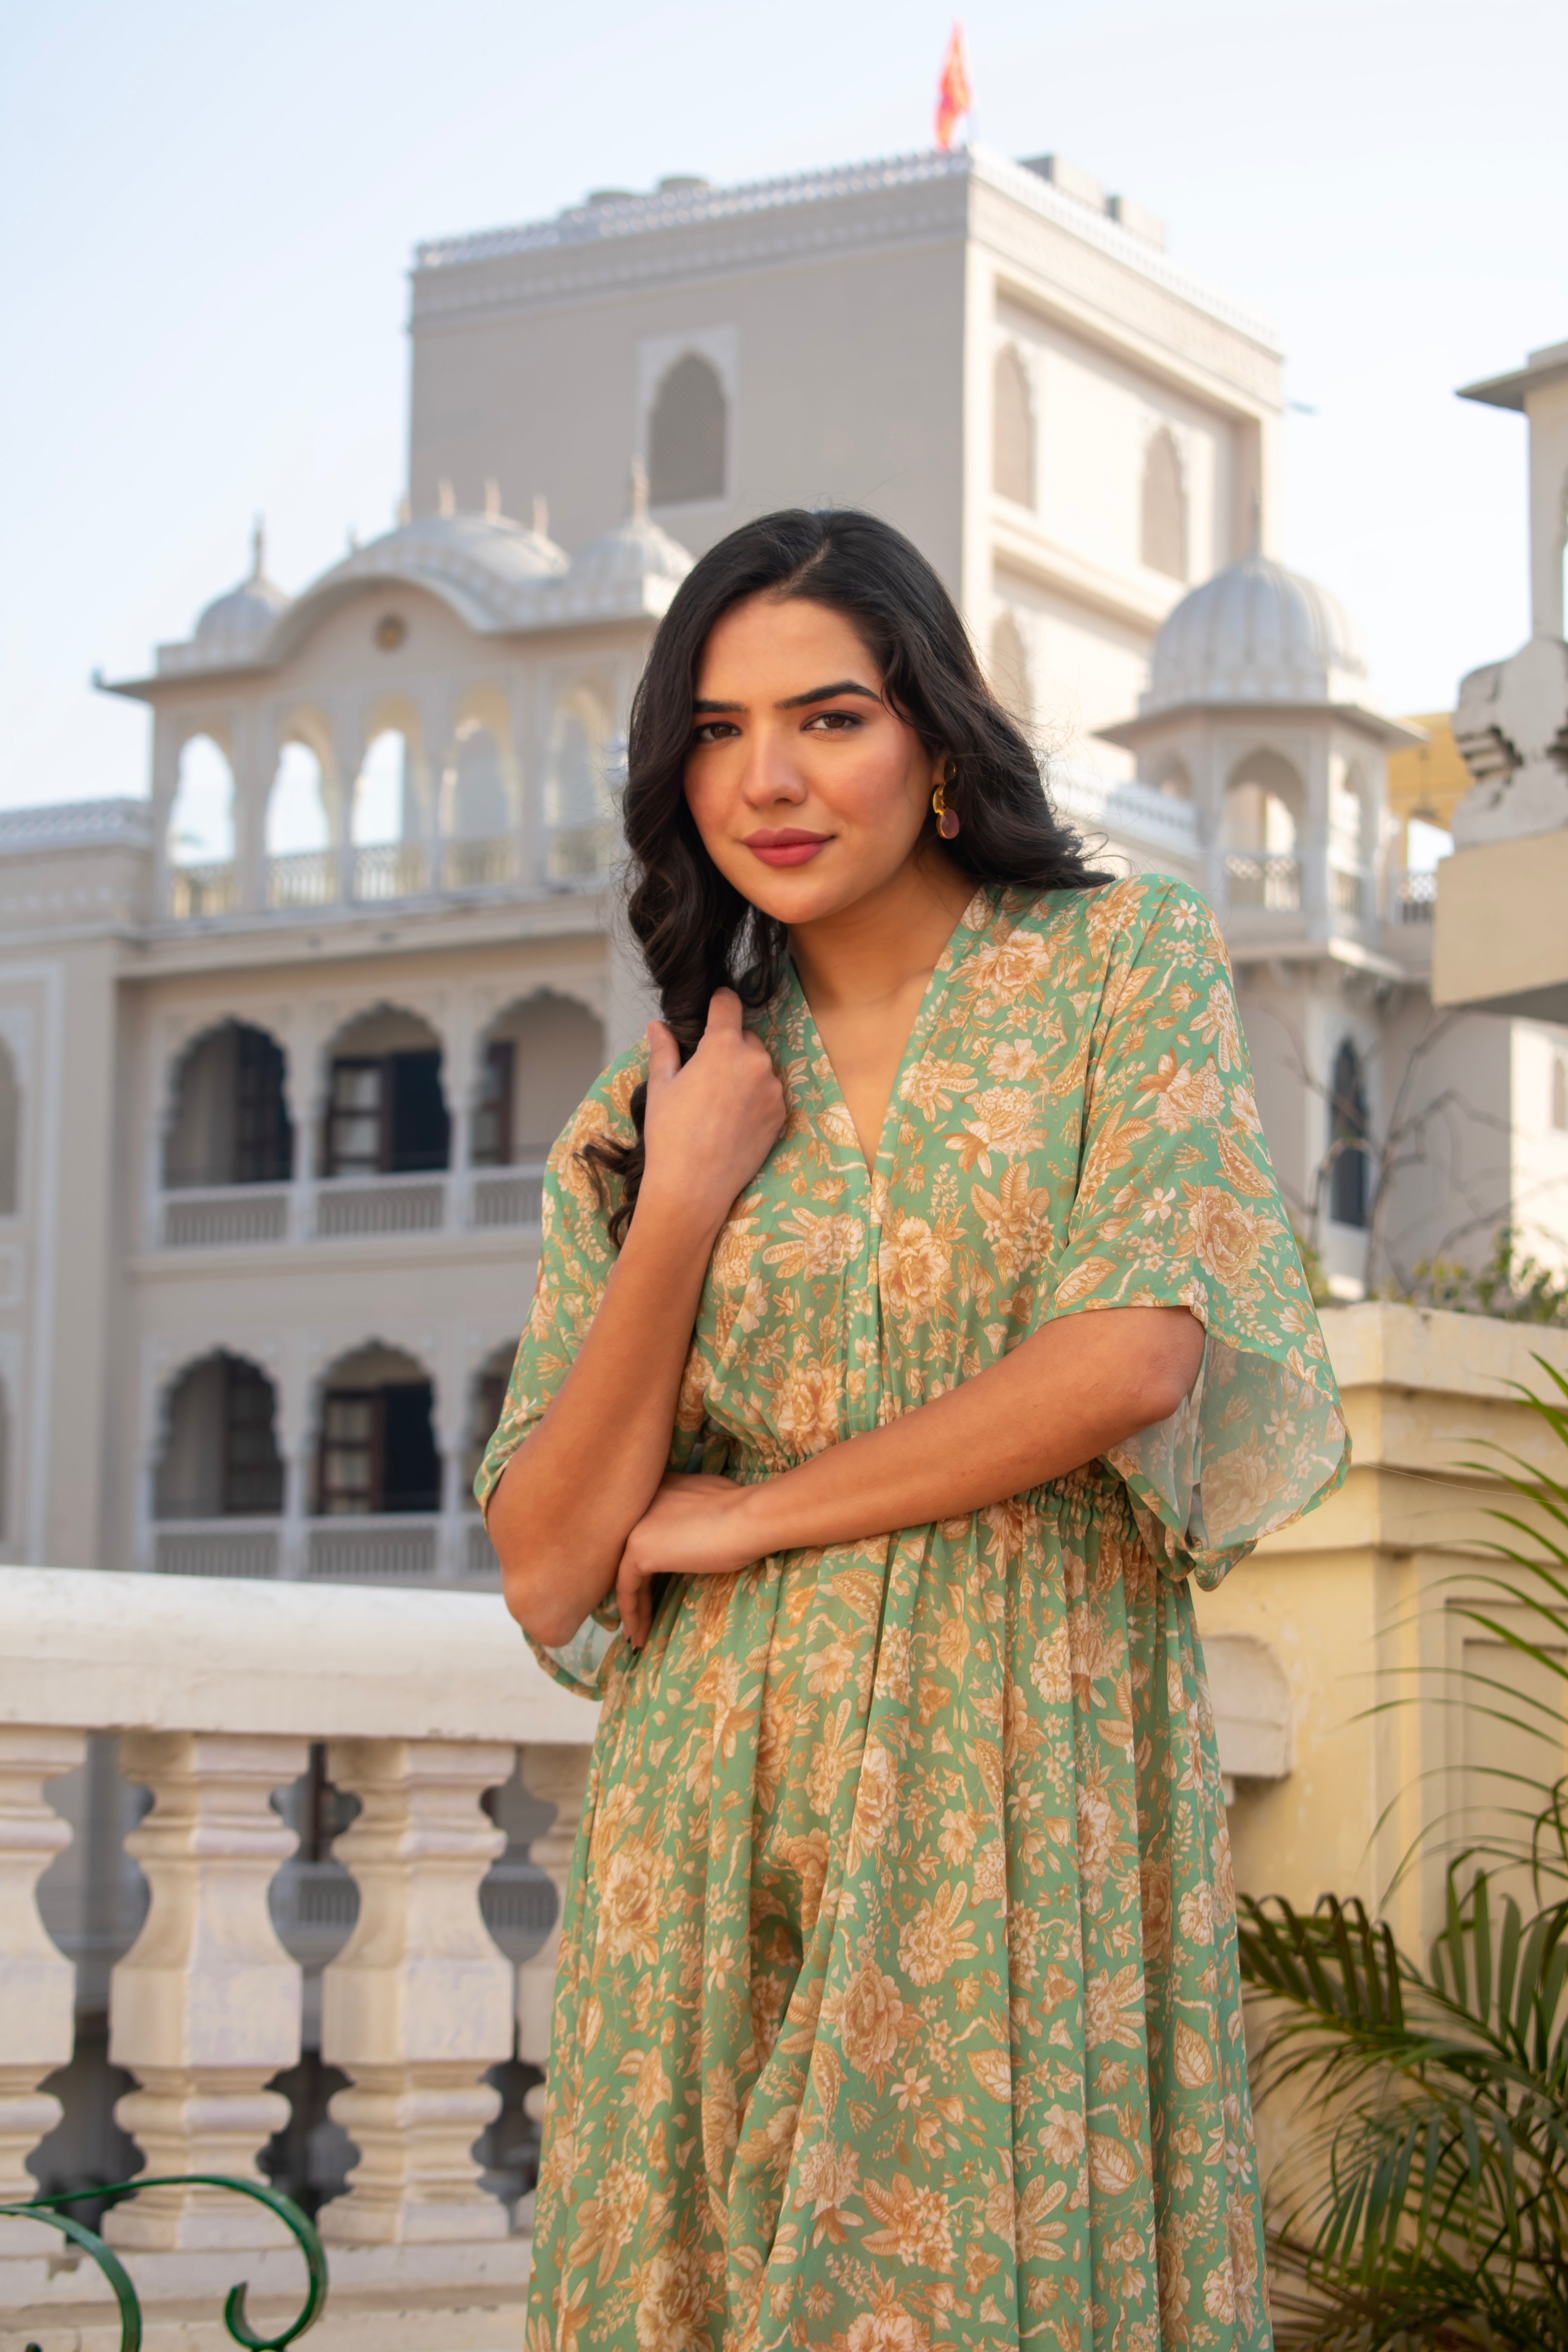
x=449, y=545
x=234, y=625
x=1256, y=633
x=636, y=551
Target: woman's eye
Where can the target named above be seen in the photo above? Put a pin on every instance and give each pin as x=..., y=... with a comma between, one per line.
x=834, y=722
x=713, y=731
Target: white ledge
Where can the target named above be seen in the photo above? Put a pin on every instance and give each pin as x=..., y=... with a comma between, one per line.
x=82, y=1647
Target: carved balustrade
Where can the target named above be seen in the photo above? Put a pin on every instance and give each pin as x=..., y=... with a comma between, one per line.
x=217, y=1690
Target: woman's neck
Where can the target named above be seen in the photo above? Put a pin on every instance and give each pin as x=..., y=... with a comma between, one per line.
x=868, y=954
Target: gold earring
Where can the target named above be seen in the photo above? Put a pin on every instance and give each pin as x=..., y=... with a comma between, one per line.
x=946, y=818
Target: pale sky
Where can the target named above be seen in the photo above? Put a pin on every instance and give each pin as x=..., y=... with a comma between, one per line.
x=209, y=214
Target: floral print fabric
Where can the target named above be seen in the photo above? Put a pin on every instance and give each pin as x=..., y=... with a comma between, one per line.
x=898, y=2004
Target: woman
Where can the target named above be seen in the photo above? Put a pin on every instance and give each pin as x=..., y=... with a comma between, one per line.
x=898, y=2003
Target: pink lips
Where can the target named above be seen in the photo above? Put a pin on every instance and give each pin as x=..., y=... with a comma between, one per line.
x=788, y=845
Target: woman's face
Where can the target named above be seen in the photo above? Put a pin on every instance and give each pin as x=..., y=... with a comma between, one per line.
x=809, y=793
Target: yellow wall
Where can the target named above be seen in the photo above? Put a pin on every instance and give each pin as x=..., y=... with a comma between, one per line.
x=1360, y=1593
x=1429, y=778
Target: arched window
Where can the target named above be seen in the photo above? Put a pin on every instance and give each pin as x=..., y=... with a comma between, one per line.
x=1559, y=1109
x=10, y=1132
x=296, y=806
x=474, y=787
x=1349, y=1171
x=687, y=434
x=231, y=1117
x=1012, y=429
x=201, y=832
x=1010, y=668
x=386, y=1113
x=1164, y=515
x=579, y=814
x=201, y=822
x=379, y=812
x=539, y=1059
x=220, y=1456
x=377, y=1450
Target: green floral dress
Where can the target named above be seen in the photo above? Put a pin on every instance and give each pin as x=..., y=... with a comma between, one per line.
x=897, y=2003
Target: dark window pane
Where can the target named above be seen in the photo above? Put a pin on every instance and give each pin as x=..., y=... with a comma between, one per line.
x=252, y=1472
x=263, y=1139
x=411, y=1472
x=420, y=1129
x=1348, y=1176
x=354, y=1118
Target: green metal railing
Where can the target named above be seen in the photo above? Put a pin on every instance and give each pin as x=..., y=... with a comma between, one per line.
x=43, y=2209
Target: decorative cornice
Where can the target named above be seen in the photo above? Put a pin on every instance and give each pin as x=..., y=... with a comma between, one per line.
x=589, y=225
x=689, y=234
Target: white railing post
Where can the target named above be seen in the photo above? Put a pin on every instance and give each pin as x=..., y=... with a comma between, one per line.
x=559, y=1777
x=205, y=2008
x=37, y=1983
x=418, y=2004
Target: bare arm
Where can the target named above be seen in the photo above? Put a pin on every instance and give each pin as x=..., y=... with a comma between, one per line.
x=571, y=1495
x=1058, y=1400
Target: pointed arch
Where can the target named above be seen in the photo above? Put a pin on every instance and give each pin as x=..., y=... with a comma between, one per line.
x=1012, y=428
x=1163, y=533
x=1350, y=1169
x=687, y=434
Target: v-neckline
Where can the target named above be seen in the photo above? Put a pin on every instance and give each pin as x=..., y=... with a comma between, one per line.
x=941, y=972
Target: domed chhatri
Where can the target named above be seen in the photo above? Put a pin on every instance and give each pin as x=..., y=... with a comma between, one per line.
x=634, y=551
x=447, y=545
x=234, y=625
x=1256, y=633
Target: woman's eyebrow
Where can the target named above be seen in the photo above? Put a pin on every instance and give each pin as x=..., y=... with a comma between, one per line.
x=826, y=694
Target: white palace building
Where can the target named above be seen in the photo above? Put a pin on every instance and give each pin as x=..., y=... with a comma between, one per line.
x=283, y=1042
x=282, y=1046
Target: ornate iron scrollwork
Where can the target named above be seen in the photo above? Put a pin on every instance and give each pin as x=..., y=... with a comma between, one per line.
x=43, y=2209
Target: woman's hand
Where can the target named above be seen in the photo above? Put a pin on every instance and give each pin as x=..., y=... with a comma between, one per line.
x=689, y=1528
x=708, y=1128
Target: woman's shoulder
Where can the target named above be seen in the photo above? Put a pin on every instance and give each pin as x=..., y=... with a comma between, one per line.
x=1113, y=918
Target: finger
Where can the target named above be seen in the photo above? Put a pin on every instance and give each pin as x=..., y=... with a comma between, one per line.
x=723, y=1015
x=663, y=1053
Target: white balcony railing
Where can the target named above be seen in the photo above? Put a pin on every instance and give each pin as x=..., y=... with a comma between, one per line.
x=201, y=890
x=349, y=1208
x=391, y=869
x=358, y=1548
x=424, y=1702
x=224, y=1547
x=478, y=864
x=1349, y=892
x=1412, y=894
x=1263, y=879
x=303, y=877
x=217, y=1216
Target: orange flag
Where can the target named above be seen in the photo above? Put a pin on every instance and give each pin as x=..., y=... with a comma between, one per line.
x=953, y=98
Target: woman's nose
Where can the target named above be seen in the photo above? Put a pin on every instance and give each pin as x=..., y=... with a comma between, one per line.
x=771, y=773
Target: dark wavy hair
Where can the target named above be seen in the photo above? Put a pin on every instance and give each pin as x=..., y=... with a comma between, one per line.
x=696, y=931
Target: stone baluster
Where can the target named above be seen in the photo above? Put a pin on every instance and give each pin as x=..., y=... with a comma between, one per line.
x=37, y=1983
x=559, y=1777
x=417, y=2005
x=205, y=2008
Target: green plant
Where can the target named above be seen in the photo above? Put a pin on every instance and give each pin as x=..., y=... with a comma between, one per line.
x=1434, y=2093
x=1511, y=1284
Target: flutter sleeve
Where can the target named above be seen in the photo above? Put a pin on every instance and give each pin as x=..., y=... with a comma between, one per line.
x=1177, y=1205
x=576, y=1254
